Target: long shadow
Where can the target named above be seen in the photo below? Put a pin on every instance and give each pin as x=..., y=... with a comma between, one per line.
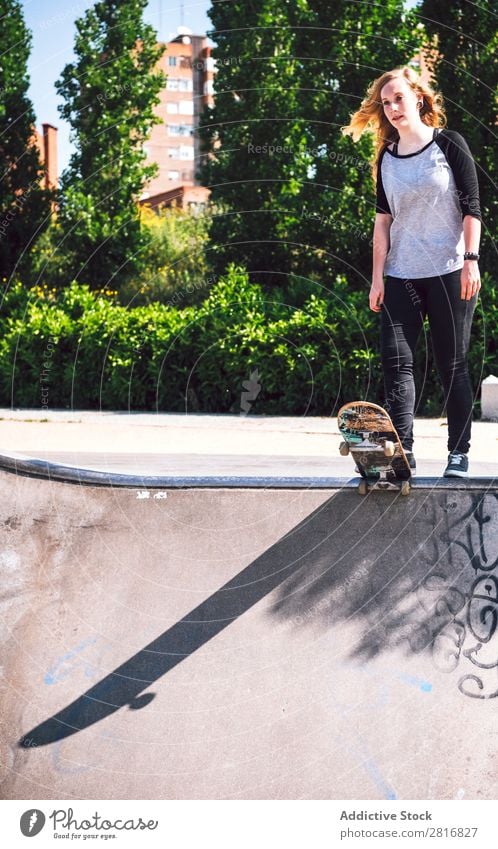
x=123, y=686
x=419, y=573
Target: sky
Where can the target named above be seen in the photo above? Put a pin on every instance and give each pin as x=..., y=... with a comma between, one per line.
x=52, y=26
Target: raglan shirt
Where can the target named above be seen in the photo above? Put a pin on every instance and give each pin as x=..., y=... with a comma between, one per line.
x=427, y=193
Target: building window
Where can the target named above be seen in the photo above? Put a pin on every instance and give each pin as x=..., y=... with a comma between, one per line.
x=186, y=152
x=173, y=175
x=178, y=84
x=173, y=153
x=179, y=129
x=172, y=61
x=172, y=108
x=208, y=87
x=186, y=107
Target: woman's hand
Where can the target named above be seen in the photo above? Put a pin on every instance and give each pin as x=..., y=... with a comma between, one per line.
x=470, y=280
x=376, y=297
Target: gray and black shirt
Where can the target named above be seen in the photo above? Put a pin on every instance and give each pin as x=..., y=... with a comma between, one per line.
x=427, y=193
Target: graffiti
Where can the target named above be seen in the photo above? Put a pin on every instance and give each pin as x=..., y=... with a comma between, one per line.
x=464, y=625
x=446, y=647
x=477, y=544
x=459, y=621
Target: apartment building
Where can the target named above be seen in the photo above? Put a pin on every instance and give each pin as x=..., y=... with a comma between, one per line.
x=174, y=143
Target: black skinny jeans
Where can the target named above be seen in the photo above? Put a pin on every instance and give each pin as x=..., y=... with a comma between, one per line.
x=406, y=304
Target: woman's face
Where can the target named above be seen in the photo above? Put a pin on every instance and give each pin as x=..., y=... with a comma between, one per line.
x=399, y=102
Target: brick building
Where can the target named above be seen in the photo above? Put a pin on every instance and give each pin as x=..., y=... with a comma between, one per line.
x=174, y=144
x=46, y=142
x=423, y=62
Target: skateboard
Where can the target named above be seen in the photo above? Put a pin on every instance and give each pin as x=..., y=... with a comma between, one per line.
x=371, y=438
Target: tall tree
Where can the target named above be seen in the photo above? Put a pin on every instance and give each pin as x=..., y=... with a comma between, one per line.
x=24, y=203
x=465, y=38
x=293, y=193
x=109, y=94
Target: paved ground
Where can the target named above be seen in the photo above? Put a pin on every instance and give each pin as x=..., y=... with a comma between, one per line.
x=196, y=444
x=247, y=643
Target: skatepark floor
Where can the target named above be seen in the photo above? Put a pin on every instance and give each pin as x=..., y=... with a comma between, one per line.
x=205, y=444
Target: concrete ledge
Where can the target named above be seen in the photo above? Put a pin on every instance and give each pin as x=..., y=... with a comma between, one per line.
x=29, y=467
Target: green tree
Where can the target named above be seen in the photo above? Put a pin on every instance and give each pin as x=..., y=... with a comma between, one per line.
x=294, y=194
x=465, y=36
x=24, y=203
x=109, y=94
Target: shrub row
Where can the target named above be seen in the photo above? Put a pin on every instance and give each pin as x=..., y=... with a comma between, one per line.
x=242, y=350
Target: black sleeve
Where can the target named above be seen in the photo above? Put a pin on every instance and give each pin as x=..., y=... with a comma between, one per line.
x=381, y=200
x=464, y=171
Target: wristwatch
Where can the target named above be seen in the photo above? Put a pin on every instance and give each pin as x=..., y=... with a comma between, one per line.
x=470, y=255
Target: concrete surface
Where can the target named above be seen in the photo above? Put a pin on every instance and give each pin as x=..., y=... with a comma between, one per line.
x=489, y=398
x=198, y=444
x=222, y=644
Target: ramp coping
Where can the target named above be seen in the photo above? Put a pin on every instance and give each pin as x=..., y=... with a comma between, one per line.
x=45, y=469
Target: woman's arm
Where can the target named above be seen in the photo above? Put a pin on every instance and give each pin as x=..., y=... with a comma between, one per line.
x=470, y=278
x=381, y=245
x=471, y=233
x=461, y=162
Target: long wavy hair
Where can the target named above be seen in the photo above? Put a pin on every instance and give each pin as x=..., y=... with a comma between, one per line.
x=370, y=117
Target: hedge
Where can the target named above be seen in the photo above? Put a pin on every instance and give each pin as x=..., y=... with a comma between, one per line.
x=242, y=350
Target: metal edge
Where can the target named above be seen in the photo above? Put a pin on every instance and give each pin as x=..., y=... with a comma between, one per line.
x=46, y=470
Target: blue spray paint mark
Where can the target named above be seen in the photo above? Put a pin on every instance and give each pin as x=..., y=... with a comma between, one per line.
x=422, y=685
x=63, y=666
x=374, y=773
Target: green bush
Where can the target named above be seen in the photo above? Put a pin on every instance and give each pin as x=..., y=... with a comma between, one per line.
x=241, y=350
x=173, y=267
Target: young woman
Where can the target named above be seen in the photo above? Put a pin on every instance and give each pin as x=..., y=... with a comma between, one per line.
x=426, y=244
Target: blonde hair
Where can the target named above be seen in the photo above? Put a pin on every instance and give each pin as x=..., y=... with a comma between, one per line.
x=370, y=117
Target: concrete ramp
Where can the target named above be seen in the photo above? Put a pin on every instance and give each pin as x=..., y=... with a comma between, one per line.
x=189, y=642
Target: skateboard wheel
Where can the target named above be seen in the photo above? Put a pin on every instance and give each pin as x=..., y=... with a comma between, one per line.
x=405, y=487
x=363, y=488
x=389, y=448
x=344, y=449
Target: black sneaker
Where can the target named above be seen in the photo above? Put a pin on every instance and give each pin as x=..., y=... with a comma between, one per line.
x=458, y=465
x=411, y=460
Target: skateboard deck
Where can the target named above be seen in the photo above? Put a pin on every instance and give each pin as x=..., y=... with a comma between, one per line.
x=371, y=438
